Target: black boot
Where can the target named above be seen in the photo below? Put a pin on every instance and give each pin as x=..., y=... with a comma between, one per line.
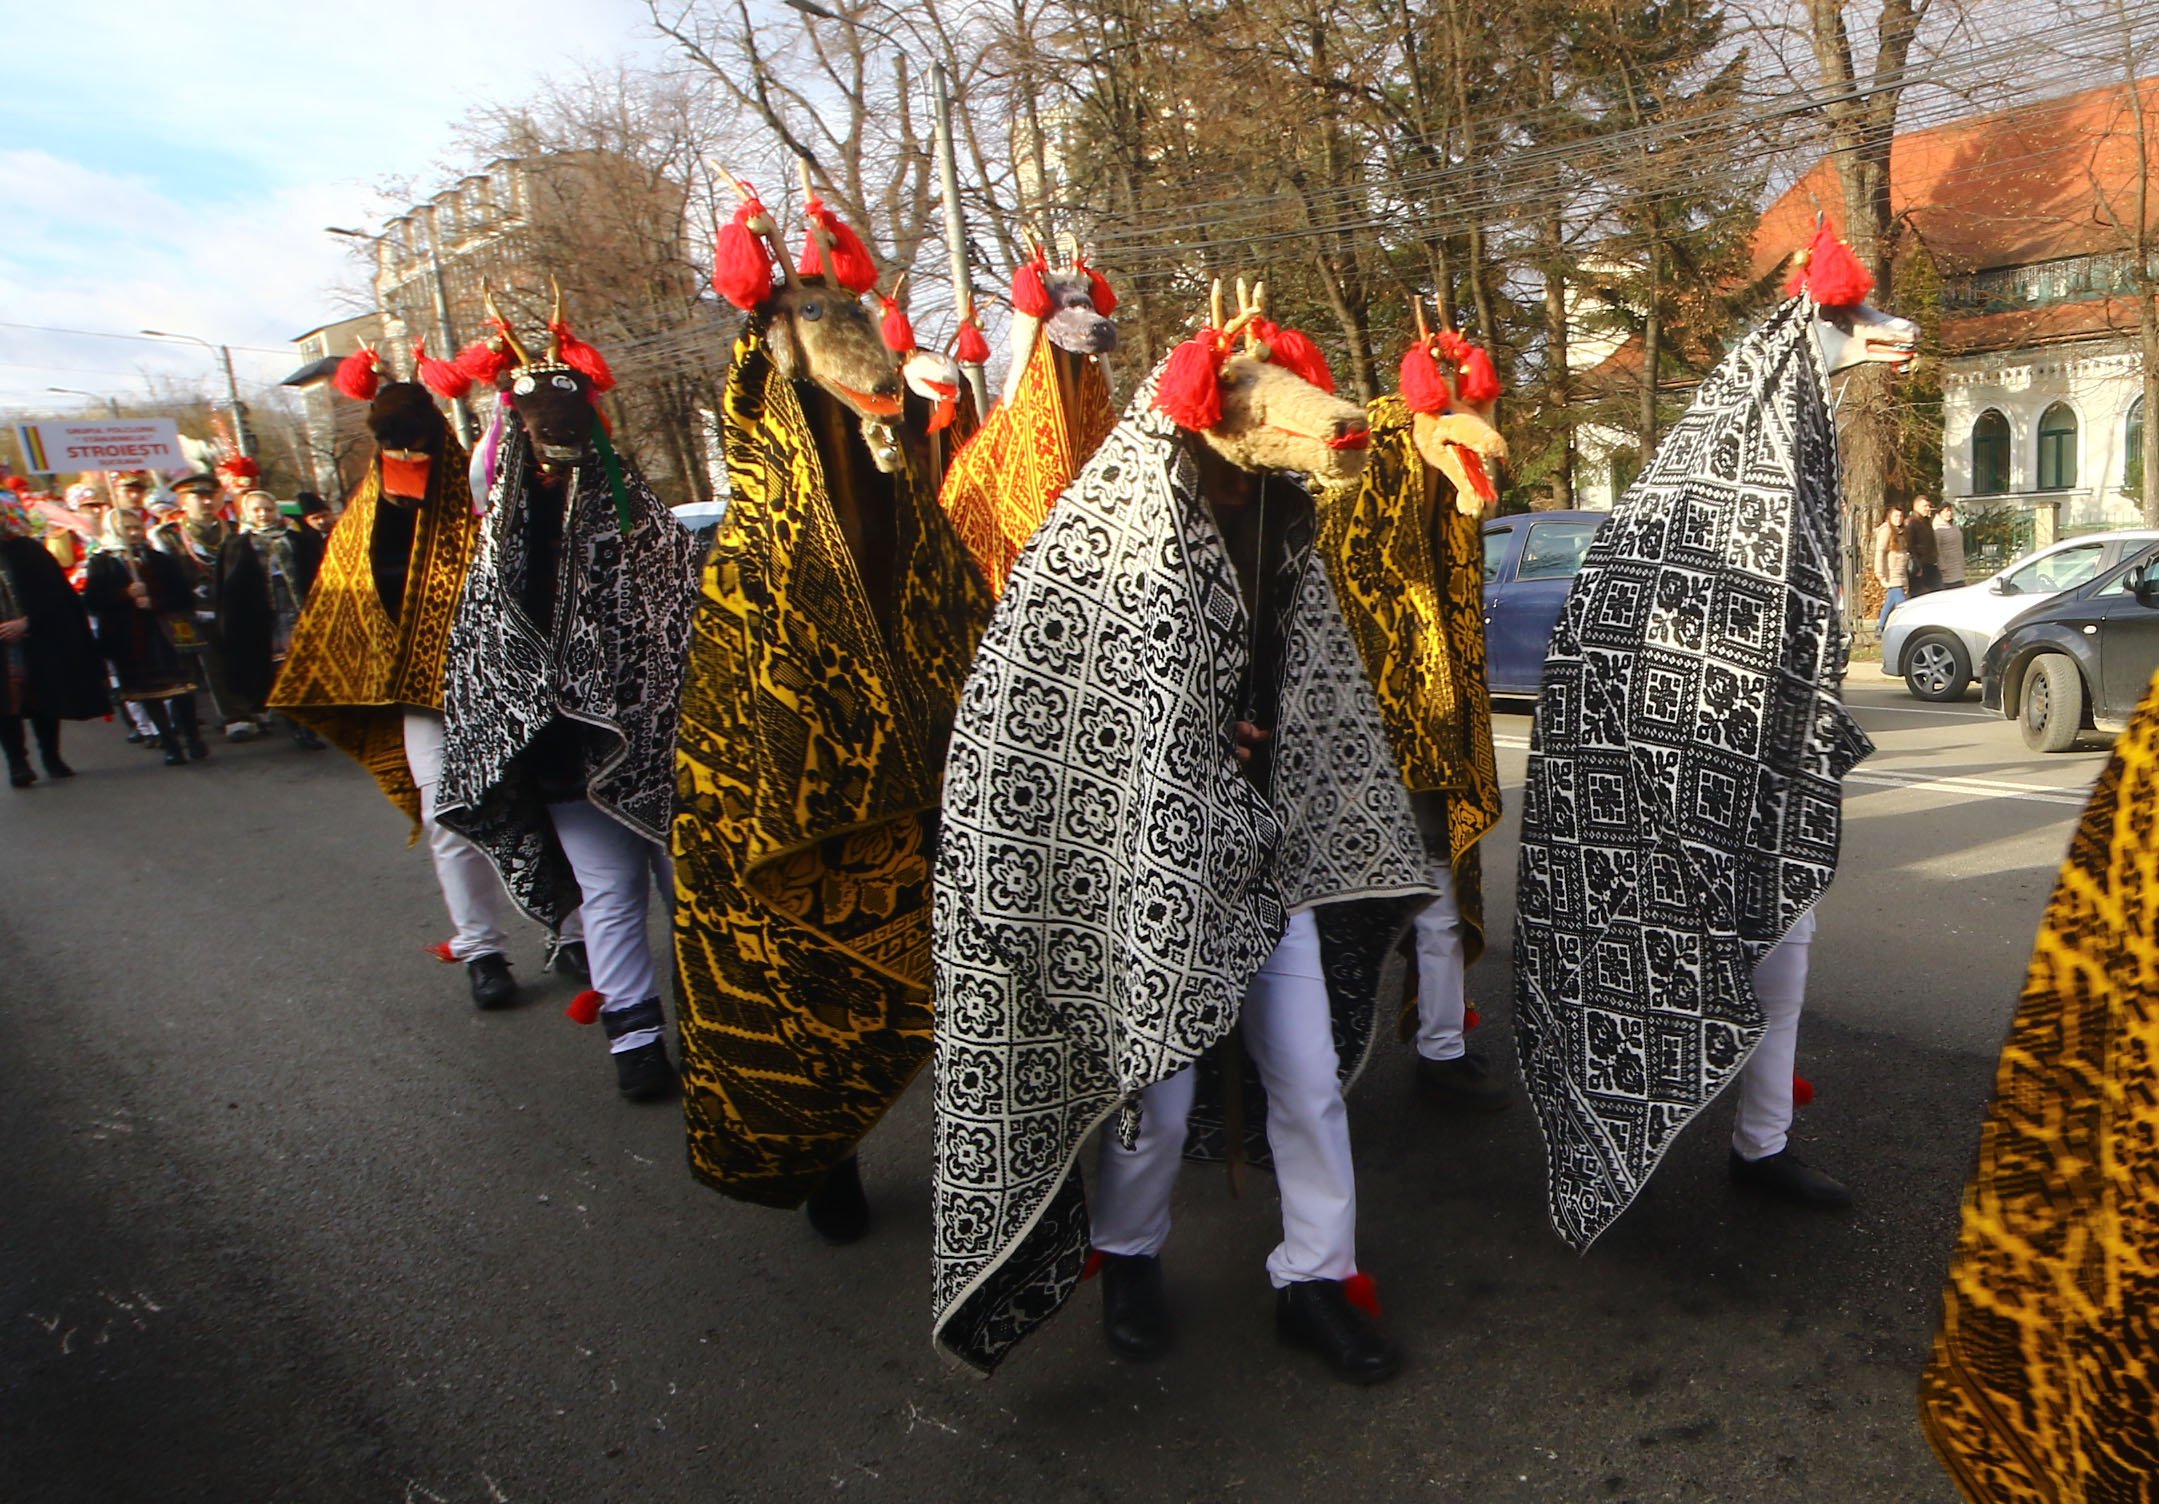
x=1317, y=1314
x=168, y=740
x=643, y=1072
x=48, y=747
x=569, y=958
x=19, y=774
x=492, y=985
x=1135, y=1306
x=304, y=738
x=190, y=725
x=838, y=1210
x=1787, y=1177
x=1467, y=1081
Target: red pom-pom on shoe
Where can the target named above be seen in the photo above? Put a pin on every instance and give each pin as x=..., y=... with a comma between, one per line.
x=1029, y=296
x=359, y=374
x=441, y=951
x=1362, y=1291
x=1190, y=392
x=1479, y=382
x=1424, y=385
x=581, y=357
x=1096, y=1258
x=1471, y=1018
x=741, y=265
x=584, y=1008
x=852, y=266
x=1294, y=351
x=1802, y=1090
x=974, y=349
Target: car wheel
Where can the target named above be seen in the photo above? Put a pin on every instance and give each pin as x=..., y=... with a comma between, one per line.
x=1937, y=668
x=2053, y=704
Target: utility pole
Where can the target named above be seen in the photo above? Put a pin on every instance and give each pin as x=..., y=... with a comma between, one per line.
x=459, y=418
x=232, y=387
x=948, y=182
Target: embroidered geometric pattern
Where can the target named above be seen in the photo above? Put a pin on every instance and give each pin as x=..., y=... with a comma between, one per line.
x=1683, y=805
x=2045, y=1380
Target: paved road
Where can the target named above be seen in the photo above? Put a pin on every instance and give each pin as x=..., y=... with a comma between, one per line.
x=282, y=1218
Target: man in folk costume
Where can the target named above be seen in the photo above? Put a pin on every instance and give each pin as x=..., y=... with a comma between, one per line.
x=1170, y=810
x=1405, y=548
x=1683, y=807
x=565, y=680
x=1056, y=410
x=366, y=665
x=2044, y=1388
x=839, y=615
x=194, y=539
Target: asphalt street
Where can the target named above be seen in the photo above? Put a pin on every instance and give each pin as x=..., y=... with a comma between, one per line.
x=283, y=1218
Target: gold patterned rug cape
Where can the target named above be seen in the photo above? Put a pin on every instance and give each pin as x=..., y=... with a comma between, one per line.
x=1004, y=481
x=1418, y=621
x=2045, y=1379
x=809, y=765
x=352, y=671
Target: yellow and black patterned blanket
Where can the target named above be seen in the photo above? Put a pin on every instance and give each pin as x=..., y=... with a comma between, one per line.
x=352, y=671
x=2045, y=1379
x=1408, y=567
x=1003, y=482
x=809, y=765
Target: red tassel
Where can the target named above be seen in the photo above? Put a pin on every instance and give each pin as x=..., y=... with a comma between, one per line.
x=741, y=265
x=1480, y=479
x=1190, y=392
x=1424, y=385
x=441, y=951
x=442, y=377
x=1829, y=272
x=1294, y=351
x=1471, y=1018
x=485, y=361
x=1362, y=1291
x=584, y=1008
x=1096, y=1258
x=1098, y=288
x=1029, y=296
x=1479, y=382
x=1802, y=1090
x=1453, y=348
x=852, y=265
x=582, y=358
x=240, y=467
x=359, y=374
x=974, y=349
x=899, y=333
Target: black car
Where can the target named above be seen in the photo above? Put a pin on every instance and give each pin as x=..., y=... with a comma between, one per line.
x=2079, y=660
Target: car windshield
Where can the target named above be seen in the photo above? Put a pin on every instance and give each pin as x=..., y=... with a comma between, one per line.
x=2063, y=569
x=1554, y=550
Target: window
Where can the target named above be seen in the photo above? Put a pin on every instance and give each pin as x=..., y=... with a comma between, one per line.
x=1495, y=551
x=1990, y=454
x=2133, y=450
x=2063, y=569
x=1554, y=550
x=2119, y=585
x=2057, y=448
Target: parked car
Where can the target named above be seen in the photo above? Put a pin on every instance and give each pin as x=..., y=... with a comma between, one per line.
x=1530, y=561
x=2081, y=660
x=1934, y=641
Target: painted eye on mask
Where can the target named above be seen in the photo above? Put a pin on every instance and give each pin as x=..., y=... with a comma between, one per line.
x=563, y=383
x=525, y=387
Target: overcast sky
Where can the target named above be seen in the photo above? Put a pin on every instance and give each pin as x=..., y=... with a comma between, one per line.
x=171, y=166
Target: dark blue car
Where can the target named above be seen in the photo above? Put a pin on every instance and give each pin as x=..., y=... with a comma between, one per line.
x=1530, y=561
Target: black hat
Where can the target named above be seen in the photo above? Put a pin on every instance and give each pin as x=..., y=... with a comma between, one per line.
x=201, y=480
x=311, y=505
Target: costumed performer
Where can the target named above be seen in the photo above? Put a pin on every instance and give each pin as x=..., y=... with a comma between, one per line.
x=50, y=668
x=136, y=595
x=194, y=538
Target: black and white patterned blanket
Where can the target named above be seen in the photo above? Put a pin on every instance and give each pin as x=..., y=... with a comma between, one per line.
x=1108, y=881
x=1683, y=807
x=614, y=661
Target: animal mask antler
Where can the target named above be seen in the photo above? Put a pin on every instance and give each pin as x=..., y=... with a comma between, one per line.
x=1190, y=391
x=1426, y=385
x=567, y=349
x=831, y=244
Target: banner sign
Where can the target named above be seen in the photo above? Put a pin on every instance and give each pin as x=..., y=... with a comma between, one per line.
x=124, y=444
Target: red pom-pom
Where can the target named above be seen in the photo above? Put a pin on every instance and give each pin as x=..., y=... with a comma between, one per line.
x=485, y=362
x=584, y=1008
x=1829, y=272
x=441, y=951
x=1190, y=392
x=1802, y=1090
x=1424, y=385
x=852, y=266
x=358, y=374
x=1471, y=1018
x=1479, y=382
x=442, y=377
x=974, y=350
x=1452, y=347
x=1294, y=351
x=582, y=358
x=898, y=332
x=741, y=264
x=1096, y=1258
x=1098, y=288
x=1362, y=1291
x=239, y=467
x=1029, y=296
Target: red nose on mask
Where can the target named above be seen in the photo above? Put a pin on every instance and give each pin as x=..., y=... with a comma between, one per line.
x=405, y=477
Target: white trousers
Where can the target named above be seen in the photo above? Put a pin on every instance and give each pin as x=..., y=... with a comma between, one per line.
x=616, y=868
x=1289, y=1034
x=1765, y=1086
x=471, y=887
x=1441, y=999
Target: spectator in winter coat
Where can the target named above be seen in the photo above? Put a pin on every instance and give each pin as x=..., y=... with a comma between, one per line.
x=1925, y=573
x=1949, y=544
x=1892, y=563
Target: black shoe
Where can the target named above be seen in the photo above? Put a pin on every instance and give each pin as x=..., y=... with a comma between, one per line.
x=19, y=775
x=55, y=768
x=569, y=958
x=1317, y=1314
x=1466, y=1081
x=492, y=985
x=644, y=1073
x=838, y=1210
x=1787, y=1177
x=195, y=748
x=137, y=739
x=174, y=757
x=1135, y=1307
x=306, y=740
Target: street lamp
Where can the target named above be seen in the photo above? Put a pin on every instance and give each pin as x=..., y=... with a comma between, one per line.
x=232, y=387
x=948, y=182
x=112, y=404
x=458, y=416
